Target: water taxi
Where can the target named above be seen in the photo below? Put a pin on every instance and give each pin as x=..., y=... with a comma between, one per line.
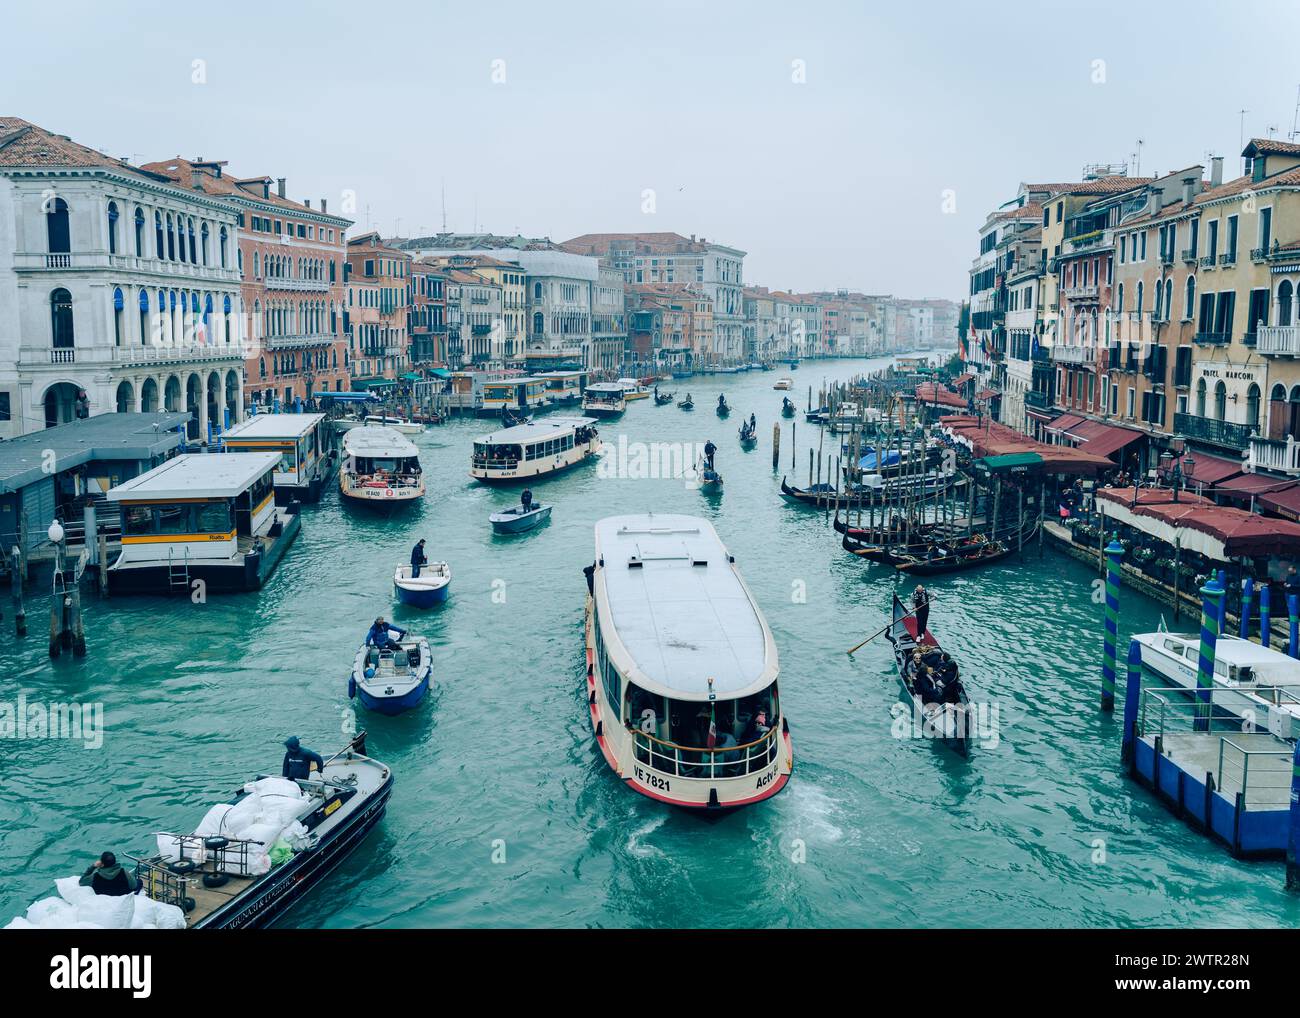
x=784, y=384
x=399, y=424
x=201, y=522
x=603, y=399
x=563, y=388
x=307, y=462
x=633, y=389
x=681, y=667
x=1251, y=682
x=528, y=451
x=380, y=468
x=513, y=394
x=425, y=590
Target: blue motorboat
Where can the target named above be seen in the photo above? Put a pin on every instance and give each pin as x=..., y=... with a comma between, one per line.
x=425, y=590
x=393, y=680
x=519, y=518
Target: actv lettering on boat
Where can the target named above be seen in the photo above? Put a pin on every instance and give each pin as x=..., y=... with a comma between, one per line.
x=691, y=728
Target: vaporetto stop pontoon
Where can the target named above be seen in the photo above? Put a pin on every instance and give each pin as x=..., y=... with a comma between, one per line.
x=682, y=669
x=307, y=459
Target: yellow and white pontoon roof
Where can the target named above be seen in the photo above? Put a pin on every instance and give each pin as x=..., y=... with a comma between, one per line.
x=197, y=475
x=273, y=426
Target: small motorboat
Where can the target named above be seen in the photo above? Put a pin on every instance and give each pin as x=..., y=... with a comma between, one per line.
x=794, y=365
x=686, y=404
x=399, y=424
x=784, y=384
x=392, y=681
x=748, y=436
x=518, y=519
x=787, y=408
x=427, y=589
x=663, y=397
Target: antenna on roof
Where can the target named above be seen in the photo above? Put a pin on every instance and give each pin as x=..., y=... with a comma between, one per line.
x=1241, y=135
x=1137, y=158
x=1295, y=118
x=444, y=204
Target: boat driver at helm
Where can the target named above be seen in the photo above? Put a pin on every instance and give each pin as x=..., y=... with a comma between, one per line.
x=380, y=635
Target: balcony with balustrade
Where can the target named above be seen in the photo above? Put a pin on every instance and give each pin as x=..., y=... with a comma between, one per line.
x=1278, y=340
x=1278, y=455
x=299, y=285
x=1074, y=354
x=1213, y=431
x=300, y=341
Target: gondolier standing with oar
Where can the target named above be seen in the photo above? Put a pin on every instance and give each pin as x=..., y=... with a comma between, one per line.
x=921, y=605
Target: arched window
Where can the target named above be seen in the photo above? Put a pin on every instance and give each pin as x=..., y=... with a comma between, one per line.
x=1189, y=299
x=1159, y=302
x=1138, y=306
x=256, y=269
x=61, y=319
x=171, y=240
x=139, y=232
x=1119, y=301
x=112, y=227
x=537, y=291
x=160, y=246
x=1252, y=406
x=1284, y=293
x=1169, y=299
x=1200, y=397
x=203, y=243
x=57, y=234
x=539, y=322
x=119, y=306
x=1220, y=400
x=223, y=251
x=189, y=229
x=146, y=333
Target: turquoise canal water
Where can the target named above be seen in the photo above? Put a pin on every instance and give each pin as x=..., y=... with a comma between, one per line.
x=499, y=763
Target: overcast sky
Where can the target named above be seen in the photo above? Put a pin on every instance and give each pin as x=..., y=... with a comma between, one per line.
x=838, y=181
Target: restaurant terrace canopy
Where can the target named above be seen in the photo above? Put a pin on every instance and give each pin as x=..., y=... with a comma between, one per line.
x=1218, y=532
x=987, y=439
x=933, y=393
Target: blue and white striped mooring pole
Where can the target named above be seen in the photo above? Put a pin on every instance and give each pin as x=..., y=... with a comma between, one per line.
x=1247, y=590
x=1293, y=834
x=1293, y=610
x=1113, y=552
x=1223, y=602
x=1265, y=615
x=1132, y=696
x=1211, y=611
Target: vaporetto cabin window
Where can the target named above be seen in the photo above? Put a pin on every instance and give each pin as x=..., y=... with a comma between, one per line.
x=186, y=518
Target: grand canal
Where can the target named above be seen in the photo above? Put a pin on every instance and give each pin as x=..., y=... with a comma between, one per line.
x=504, y=814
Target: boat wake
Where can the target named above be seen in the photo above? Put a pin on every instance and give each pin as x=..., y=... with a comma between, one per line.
x=636, y=844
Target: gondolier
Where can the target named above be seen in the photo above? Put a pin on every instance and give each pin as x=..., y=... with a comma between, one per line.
x=921, y=605
x=709, y=450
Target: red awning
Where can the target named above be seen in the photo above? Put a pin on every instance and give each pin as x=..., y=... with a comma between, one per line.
x=1207, y=469
x=987, y=394
x=1285, y=502
x=1246, y=485
x=932, y=393
x=962, y=379
x=1151, y=496
x=988, y=438
x=1065, y=422
x=1103, y=439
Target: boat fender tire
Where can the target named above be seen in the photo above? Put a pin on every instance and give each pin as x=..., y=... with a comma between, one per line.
x=352, y=687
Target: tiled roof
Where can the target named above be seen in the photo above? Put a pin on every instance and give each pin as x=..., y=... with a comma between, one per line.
x=1270, y=147
x=1030, y=210
x=641, y=243
x=188, y=173
x=24, y=144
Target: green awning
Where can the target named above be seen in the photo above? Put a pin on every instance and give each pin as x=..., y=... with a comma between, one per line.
x=440, y=372
x=1009, y=462
x=410, y=376
x=362, y=384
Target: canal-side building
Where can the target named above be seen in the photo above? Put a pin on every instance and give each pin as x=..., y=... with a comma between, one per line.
x=291, y=259
x=1019, y=400
x=119, y=289
x=427, y=316
x=670, y=258
x=379, y=344
x=760, y=324
x=608, y=349
x=507, y=332
x=474, y=308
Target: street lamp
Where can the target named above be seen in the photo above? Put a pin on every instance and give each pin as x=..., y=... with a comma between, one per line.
x=1177, y=467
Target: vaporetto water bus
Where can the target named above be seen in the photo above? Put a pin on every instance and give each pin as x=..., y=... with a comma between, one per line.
x=563, y=387
x=603, y=399
x=633, y=389
x=201, y=517
x=513, y=394
x=529, y=451
x=307, y=462
x=380, y=468
x=682, y=670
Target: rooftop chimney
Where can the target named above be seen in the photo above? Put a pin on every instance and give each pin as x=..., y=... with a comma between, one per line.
x=1216, y=171
x=1188, y=184
x=266, y=188
x=307, y=202
x=323, y=206
x=279, y=186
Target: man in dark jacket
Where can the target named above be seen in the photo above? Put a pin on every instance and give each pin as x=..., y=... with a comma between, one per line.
x=298, y=760
x=921, y=602
x=380, y=636
x=417, y=558
x=107, y=877
x=709, y=450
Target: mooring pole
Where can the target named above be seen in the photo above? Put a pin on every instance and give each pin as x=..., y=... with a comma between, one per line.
x=1265, y=615
x=776, y=447
x=1132, y=697
x=1293, y=833
x=1211, y=609
x=16, y=580
x=1247, y=592
x=1110, y=637
x=1223, y=601
x=1293, y=610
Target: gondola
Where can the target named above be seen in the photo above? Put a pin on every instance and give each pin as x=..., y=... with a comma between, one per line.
x=723, y=409
x=958, y=557
x=953, y=724
x=686, y=404
x=863, y=543
x=663, y=397
x=787, y=408
x=748, y=436
x=822, y=495
x=510, y=419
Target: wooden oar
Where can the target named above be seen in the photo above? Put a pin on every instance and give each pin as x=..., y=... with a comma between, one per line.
x=854, y=649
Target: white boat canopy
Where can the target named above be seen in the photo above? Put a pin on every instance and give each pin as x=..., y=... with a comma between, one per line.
x=197, y=475
x=536, y=430
x=377, y=443
x=674, y=611
x=273, y=426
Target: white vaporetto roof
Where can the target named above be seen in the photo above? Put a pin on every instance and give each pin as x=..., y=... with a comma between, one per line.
x=536, y=430
x=377, y=442
x=675, y=612
x=197, y=475
x=274, y=426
